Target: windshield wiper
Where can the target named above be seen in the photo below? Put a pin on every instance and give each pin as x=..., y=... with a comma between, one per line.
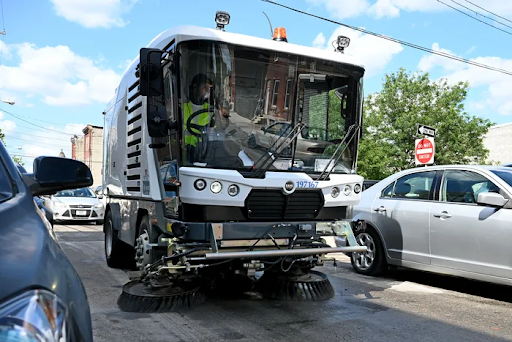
x=294, y=133
x=352, y=129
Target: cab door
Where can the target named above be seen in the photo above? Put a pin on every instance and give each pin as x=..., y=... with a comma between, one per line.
x=402, y=215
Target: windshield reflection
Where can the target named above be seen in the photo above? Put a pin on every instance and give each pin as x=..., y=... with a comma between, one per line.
x=240, y=104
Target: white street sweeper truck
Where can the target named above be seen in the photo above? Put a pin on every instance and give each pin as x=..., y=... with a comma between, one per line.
x=230, y=165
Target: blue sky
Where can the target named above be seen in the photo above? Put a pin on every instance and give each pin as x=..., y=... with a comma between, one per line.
x=61, y=59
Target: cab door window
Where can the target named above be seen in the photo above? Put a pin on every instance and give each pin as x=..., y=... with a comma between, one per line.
x=461, y=186
x=414, y=186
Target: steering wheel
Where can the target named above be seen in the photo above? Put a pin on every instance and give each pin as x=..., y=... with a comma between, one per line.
x=190, y=125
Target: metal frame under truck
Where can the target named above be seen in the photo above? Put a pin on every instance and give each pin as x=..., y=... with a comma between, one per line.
x=230, y=165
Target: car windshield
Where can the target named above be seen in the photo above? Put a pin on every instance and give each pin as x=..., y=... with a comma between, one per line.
x=240, y=104
x=83, y=192
x=505, y=175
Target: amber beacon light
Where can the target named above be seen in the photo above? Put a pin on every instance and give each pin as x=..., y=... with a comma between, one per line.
x=280, y=34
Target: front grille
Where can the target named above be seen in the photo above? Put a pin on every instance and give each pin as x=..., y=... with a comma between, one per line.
x=73, y=213
x=275, y=205
x=81, y=206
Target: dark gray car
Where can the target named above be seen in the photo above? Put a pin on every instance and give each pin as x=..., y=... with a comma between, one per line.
x=41, y=295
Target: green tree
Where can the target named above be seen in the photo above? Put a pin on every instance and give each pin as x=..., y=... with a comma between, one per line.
x=391, y=119
x=16, y=159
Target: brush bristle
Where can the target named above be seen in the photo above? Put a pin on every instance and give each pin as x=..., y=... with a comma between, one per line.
x=132, y=303
x=280, y=287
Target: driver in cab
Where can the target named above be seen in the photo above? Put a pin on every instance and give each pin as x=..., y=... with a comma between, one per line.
x=199, y=95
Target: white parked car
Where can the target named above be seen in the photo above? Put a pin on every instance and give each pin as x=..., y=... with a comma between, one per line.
x=454, y=220
x=77, y=204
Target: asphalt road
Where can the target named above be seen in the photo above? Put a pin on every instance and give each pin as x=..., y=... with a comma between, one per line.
x=403, y=306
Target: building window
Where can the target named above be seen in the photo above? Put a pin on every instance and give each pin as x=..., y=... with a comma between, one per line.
x=287, y=95
x=276, y=92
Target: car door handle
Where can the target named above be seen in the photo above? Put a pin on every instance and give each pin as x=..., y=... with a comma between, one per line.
x=380, y=209
x=444, y=214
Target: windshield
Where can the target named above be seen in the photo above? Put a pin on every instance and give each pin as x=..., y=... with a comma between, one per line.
x=505, y=175
x=239, y=104
x=83, y=192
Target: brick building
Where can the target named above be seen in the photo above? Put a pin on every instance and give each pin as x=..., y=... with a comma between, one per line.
x=89, y=150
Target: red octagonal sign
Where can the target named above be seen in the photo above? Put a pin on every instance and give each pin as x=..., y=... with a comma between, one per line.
x=424, y=151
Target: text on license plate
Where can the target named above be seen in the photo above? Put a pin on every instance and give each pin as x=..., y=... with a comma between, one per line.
x=81, y=212
x=306, y=184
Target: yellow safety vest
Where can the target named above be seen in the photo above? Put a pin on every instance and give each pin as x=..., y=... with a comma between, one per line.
x=202, y=119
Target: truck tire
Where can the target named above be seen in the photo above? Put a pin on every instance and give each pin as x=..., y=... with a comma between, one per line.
x=144, y=232
x=371, y=264
x=117, y=252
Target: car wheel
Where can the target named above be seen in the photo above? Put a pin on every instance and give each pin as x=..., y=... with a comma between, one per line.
x=372, y=262
x=252, y=141
x=116, y=251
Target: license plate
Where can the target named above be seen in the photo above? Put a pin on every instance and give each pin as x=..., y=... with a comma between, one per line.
x=81, y=212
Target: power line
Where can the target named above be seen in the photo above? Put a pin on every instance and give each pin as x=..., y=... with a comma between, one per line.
x=510, y=21
x=48, y=129
x=419, y=47
x=45, y=145
x=32, y=135
x=482, y=15
x=469, y=15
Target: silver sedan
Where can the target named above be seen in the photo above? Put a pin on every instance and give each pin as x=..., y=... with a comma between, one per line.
x=454, y=220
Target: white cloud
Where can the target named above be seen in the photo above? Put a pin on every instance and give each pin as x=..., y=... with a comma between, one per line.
x=342, y=9
x=319, y=40
x=124, y=64
x=6, y=124
x=498, y=86
x=374, y=53
x=430, y=61
x=67, y=79
x=94, y=13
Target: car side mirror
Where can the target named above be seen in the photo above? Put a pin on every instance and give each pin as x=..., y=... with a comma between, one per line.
x=52, y=174
x=100, y=196
x=491, y=199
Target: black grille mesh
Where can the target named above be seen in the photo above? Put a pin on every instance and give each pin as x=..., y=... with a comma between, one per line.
x=275, y=205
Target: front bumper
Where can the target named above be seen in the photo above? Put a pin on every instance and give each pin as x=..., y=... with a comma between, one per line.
x=78, y=214
x=249, y=240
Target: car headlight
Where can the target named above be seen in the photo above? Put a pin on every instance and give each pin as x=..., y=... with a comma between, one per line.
x=59, y=204
x=98, y=206
x=36, y=315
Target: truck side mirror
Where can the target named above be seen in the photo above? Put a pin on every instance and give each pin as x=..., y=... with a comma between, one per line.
x=150, y=71
x=151, y=85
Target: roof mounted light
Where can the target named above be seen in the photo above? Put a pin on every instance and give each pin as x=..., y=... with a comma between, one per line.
x=222, y=19
x=342, y=43
x=280, y=35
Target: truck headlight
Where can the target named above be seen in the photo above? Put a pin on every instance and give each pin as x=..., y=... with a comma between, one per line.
x=216, y=187
x=347, y=190
x=36, y=315
x=335, y=192
x=233, y=190
x=357, y=188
